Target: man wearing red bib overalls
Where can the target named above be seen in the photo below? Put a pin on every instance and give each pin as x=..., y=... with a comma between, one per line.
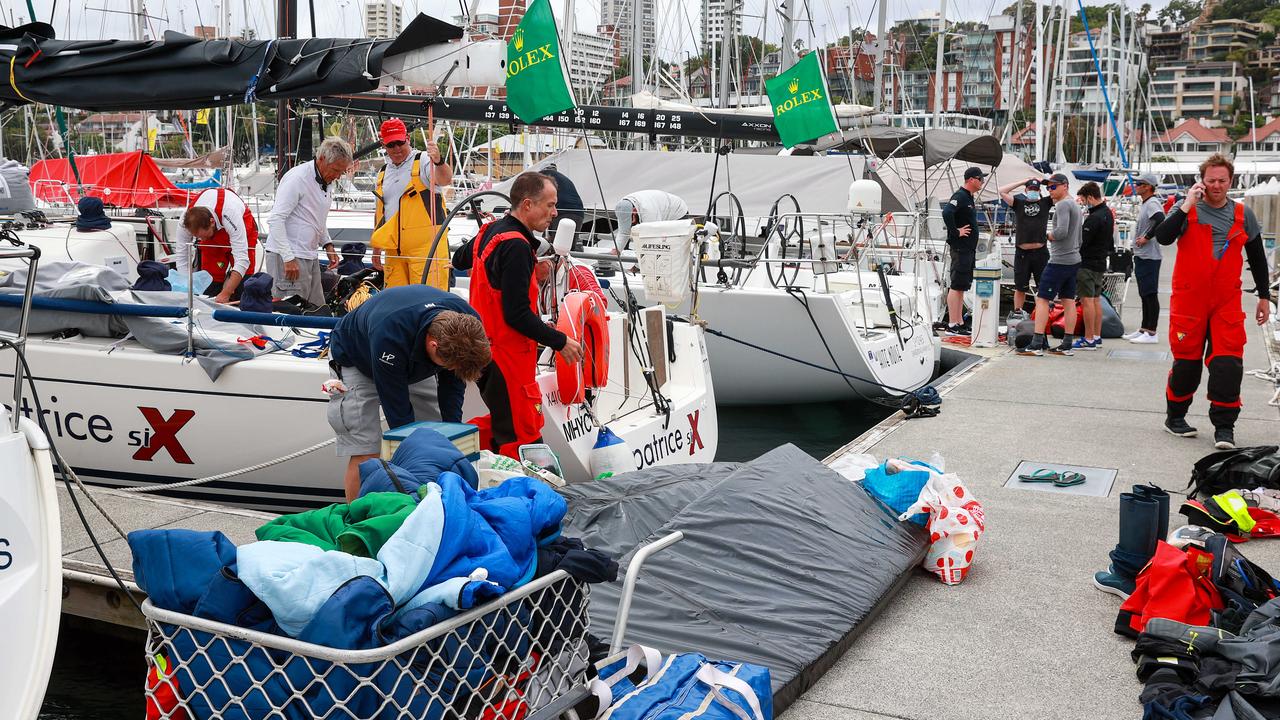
x=504, y=292
x=224, y=234
x=1206, y=322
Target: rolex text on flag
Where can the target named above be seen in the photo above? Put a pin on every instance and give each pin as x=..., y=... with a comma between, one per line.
x=536, y=81
x=801, y=108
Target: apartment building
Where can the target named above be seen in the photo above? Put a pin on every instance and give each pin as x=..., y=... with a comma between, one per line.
x=382, y=18
x=1081, y=93
x=1199, y=90
x=1214, y=39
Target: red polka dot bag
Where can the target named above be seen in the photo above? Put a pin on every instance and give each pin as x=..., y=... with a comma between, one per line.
x=956, y=521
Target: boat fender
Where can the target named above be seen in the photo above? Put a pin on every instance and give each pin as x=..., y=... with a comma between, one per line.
x=583, y=318
x=610, y=456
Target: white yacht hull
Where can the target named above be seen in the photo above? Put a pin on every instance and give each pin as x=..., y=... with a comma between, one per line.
x=132, y=417
x=30, y=568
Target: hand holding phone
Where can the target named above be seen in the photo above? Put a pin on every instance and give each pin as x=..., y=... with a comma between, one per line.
x=1194, y=195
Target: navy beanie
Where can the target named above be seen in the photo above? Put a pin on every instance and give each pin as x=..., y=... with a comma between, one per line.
x=255, y=293
x=92, y=216
x=152, y=276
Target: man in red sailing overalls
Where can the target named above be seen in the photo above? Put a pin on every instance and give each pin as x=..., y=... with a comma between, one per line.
x=1206, y=322
x=504, y=292
x=224, y=235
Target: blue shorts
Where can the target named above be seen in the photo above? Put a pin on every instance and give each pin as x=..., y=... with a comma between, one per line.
x=1058, y=281
x=1147, y=273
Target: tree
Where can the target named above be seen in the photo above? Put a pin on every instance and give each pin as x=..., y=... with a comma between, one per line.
x=1179, y=12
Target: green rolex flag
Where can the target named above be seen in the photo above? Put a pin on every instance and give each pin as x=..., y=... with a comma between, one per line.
x=536, y=82
x=801, y=108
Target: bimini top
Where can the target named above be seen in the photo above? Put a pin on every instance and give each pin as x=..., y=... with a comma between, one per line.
x=935, y=146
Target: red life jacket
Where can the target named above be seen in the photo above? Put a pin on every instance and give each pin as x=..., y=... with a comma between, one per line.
x=215, y=253
x=514, y=354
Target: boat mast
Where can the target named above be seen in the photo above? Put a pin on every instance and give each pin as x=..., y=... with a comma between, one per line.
x=637, y=48
x=726, y=47
x=788, y=36
x=881, y=47
x=938, y=78
x=1041, y=135
x=228, y=179
x=286, y=123
x=139, y=20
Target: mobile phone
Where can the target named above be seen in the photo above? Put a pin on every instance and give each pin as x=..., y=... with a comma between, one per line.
x=543, y=456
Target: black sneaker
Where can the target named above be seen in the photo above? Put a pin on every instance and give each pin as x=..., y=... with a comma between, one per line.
x=1063, y=349
x=1035, y=347
x=1224, y=439
x=957, y=330
x=1178, y=426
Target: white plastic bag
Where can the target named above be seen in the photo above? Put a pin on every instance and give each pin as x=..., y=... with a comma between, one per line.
x=956, y=521
x=494, y=469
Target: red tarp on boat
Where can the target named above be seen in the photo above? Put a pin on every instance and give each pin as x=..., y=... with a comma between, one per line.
x=121, y=179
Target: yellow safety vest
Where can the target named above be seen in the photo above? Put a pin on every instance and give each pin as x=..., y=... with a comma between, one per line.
x=407, y=236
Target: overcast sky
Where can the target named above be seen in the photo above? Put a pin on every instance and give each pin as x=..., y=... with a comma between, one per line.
x=678, y=21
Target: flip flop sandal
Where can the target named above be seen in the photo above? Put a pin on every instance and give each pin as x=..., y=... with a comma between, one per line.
x=1068, y=479
x=1043, y=475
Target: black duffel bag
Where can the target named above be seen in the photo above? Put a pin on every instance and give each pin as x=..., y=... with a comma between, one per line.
x=1239, y=469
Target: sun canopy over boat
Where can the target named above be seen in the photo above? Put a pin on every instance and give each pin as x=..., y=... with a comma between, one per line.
x=129, y=179
x=935, y=146
x=181, y=72
x=819, y=182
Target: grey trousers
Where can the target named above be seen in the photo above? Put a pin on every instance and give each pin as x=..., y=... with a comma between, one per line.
x=307, y=285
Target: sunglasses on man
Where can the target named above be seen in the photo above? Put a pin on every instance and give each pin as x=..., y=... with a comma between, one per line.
x=396, y=144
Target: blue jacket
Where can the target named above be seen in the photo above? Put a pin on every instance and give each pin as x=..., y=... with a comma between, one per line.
x=385, y=339
x=423, y=575
x=419, y=459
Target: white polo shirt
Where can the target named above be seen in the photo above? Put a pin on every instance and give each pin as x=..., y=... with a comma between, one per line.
x=299, y=219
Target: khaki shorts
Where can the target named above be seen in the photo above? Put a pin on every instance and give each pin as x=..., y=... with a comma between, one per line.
x=1089, y=282
x=356, y=416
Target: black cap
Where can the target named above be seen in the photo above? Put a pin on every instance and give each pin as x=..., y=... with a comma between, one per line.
x=1032, y=185
x=1059, y=179
x=974, y=172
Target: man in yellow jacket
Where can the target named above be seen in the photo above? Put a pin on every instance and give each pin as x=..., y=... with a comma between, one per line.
x=408, y=206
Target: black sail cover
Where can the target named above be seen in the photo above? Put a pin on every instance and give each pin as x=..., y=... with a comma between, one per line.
x=784, y=560
x=181, y=72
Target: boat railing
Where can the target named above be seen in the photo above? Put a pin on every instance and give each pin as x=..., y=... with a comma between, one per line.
x=18, y=340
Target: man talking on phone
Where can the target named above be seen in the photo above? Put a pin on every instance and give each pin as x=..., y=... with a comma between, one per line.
x=1206, y=323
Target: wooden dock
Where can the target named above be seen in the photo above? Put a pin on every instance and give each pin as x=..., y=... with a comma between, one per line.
x=88, y=589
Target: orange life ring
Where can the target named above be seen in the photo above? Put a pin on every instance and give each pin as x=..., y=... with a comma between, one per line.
x=583, y=318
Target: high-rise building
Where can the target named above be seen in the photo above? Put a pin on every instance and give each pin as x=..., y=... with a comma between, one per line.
x=618, y=14
x=713, y=21
x=1080, y=92
x=382, y=18
x=1213, y=40
x=1013, y=58
x=590, y=64
x=1200, y=90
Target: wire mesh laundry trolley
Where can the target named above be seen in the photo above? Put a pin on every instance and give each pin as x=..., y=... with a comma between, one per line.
x=522, y=655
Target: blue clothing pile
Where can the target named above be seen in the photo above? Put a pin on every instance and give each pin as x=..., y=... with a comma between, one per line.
x=456, y=549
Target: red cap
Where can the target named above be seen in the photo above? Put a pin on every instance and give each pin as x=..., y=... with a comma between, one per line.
x=394, y=130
